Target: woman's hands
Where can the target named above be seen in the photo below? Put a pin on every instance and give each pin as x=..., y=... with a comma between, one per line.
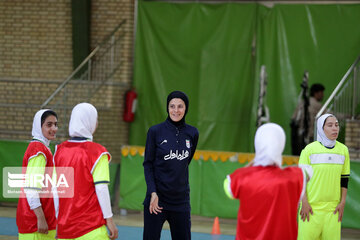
x=154, y=204
x=305, y=209
x=340, y=209
x=42, y=226
x=112, y=228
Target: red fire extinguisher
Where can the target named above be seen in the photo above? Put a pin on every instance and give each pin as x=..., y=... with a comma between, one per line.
x=130, y=105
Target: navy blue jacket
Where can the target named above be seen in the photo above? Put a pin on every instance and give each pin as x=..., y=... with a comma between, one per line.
x=168, y=152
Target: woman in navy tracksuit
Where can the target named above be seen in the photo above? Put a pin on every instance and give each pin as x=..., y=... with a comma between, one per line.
x=169, y=149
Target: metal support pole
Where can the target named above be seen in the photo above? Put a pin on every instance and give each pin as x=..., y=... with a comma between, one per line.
x=354, y=102
x=89, y=70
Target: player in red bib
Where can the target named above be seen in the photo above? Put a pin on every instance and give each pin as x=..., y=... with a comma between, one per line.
x=35, y=215
x=269, y=194
x=88, y=213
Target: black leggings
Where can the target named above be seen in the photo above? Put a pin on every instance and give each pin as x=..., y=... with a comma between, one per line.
x=179, y=222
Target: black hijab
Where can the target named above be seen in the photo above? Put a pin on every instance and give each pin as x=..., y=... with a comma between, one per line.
x=182, y=96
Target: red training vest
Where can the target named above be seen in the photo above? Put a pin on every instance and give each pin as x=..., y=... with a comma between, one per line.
x=82, y=213
x=269, y=198
x=26, y=219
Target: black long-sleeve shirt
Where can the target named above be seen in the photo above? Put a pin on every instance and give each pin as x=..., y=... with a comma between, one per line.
x=168, y=152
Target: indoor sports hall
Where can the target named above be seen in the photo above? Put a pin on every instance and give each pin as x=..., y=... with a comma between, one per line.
x=242, y=64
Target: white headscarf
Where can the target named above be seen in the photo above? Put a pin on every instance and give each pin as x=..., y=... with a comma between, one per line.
x=83, y=121
x=321, y=137
x=269, y=145
x=36, y=128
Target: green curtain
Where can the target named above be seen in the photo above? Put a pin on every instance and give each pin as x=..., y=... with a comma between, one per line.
x=352, y=207
x=205, y=51
x=11, y=155
x=322, y=39
x=213, y=52
x=132, y=182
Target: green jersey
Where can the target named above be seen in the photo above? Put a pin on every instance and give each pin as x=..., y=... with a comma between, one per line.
x=329, y=165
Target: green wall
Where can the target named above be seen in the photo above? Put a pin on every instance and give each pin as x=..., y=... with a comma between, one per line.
x=11, y=155
x=213, y=52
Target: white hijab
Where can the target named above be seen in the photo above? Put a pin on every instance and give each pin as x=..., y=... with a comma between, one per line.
x=321, y=137
x=36, y=128
x=269, y=145
x=83, y=121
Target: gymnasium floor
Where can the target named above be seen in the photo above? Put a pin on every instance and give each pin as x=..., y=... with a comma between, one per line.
x=130, y=227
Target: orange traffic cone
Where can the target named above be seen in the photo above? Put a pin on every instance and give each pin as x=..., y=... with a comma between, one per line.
x=216, y=227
